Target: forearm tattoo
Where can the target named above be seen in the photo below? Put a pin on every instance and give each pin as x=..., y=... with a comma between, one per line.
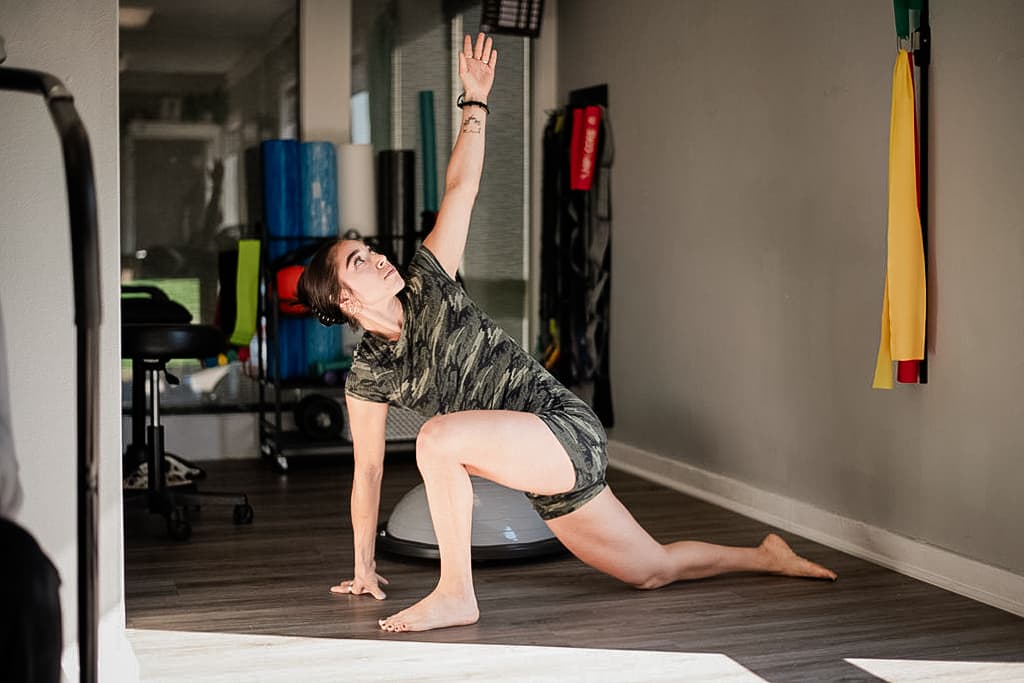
x=471, y=125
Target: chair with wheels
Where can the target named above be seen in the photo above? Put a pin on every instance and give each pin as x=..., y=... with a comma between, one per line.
x=155, y=330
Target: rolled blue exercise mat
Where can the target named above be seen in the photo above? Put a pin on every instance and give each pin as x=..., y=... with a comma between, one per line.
x=428, y=143
x=291, y=342
x=319, y=174
x=323, y=345
x=281, y=195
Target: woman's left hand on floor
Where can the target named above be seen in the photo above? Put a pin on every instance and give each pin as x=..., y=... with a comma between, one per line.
x=362, y=586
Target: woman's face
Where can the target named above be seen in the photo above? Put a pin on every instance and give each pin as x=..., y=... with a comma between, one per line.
x=365, y=275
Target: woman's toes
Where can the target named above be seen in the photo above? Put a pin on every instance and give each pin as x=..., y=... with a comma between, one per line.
x=392, y=625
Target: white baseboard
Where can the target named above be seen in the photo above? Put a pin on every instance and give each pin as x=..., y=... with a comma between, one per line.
x=942, y=568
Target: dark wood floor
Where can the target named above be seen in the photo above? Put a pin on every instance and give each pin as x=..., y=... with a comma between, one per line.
x=272, y=578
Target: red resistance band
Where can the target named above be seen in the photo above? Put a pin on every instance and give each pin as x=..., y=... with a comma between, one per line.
x=583, y=149
x=909, y=371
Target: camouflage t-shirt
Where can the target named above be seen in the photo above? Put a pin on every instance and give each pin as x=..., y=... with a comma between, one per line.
x=450, y=356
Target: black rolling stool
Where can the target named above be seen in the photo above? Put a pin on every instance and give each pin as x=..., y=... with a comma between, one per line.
x=150, y=346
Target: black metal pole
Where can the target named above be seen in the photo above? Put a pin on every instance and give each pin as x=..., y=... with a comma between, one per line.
x=81, y=190
x=923, y=58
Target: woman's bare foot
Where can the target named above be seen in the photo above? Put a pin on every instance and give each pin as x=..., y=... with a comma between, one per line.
x=786, y=562
x=437, y=610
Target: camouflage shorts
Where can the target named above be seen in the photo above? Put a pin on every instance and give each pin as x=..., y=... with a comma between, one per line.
x=583, y=437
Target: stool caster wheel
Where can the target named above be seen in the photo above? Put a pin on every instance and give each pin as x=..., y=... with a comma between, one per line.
x=178, y=527
x=243, y=514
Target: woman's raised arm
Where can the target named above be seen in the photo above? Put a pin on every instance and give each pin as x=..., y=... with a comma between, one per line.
x=447, y=240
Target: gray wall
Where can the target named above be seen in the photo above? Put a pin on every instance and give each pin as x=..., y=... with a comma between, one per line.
x=77, y=42
x=750, y=206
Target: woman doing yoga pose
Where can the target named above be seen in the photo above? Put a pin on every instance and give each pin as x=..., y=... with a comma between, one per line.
x=493, y=411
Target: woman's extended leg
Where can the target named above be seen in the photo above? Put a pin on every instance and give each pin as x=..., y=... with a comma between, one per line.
x=604, y=534
x=511, y=448
x=519, y=451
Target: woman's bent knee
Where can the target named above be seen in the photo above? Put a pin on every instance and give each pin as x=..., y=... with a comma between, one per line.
x=433, y=441
x=655, y=572
x=650, y=582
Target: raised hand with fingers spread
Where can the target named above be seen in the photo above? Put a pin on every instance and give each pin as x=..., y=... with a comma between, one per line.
x=476, y=67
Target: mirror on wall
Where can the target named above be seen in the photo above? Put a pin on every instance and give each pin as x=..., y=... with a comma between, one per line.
x=203, y=82
x=200, y=83
x=404, y=48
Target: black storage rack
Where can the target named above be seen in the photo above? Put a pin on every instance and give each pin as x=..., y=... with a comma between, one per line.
x=279, y=435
